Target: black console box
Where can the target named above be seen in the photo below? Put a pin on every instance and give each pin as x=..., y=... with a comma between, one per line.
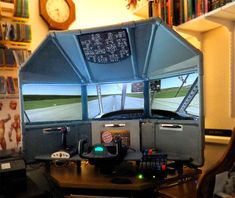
x=12, y=175
x=153, y=164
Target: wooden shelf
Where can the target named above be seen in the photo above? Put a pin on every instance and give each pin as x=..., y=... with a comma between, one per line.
x=15, y=44
x=8, y=68
x=15, y=19
x=9, y=96
x=210, y=20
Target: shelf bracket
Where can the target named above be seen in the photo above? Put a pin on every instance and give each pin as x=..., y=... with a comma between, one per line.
x=224, y=22
x=186, y=34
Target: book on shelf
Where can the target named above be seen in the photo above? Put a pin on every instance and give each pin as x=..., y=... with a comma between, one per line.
x=206, y=6
x=25, y=9
x=163, y=9
x=2, y=85
x=178, y=15
x=10, y=85
x=2, y=57
x=22, y=9
x=9, y=58
x=16, y=85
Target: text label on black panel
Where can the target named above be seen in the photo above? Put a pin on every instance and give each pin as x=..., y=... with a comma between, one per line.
x=105, y=47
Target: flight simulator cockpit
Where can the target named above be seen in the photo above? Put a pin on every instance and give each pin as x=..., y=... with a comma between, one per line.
x=138, y=83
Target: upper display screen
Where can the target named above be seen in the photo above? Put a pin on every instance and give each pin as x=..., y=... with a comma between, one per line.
x=105, y=47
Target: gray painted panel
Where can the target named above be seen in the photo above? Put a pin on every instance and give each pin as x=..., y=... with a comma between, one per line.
x=35, y=142
x=180, y=143
x=147, y=135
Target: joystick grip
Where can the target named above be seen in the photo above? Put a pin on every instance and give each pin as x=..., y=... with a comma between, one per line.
x=98, y=151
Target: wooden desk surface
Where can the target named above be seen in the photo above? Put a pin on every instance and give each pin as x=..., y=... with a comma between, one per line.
x=182, y=190
x=89, y=178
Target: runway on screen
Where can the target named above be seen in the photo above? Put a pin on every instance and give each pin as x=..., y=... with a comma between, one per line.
x=110, y=103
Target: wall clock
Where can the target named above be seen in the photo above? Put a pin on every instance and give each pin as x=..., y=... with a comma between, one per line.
x=58, y=14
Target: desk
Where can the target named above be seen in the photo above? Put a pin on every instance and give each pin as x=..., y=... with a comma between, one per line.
x=88, y=180
x=182, y=190
x=131, y=155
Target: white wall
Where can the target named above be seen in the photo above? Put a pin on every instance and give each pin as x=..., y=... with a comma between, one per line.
x=93, y=13
x=89, y=13
x=217, y=82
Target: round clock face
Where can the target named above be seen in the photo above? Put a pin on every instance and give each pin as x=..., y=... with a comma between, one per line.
x=58, y=14
x=58, y=10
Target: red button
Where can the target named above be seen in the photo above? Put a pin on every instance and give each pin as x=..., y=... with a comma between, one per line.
x=150, y=152
x=163, y=167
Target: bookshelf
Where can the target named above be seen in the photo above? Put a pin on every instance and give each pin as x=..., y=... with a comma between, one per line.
x=15, y=39
x=202, y=23
x=210, y=20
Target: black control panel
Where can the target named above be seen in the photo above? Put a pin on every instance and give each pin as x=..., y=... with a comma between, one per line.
x=153, y=164
x=105, y=47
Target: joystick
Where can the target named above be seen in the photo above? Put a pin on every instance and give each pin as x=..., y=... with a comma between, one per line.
x=66, y=151
x=104, y=157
